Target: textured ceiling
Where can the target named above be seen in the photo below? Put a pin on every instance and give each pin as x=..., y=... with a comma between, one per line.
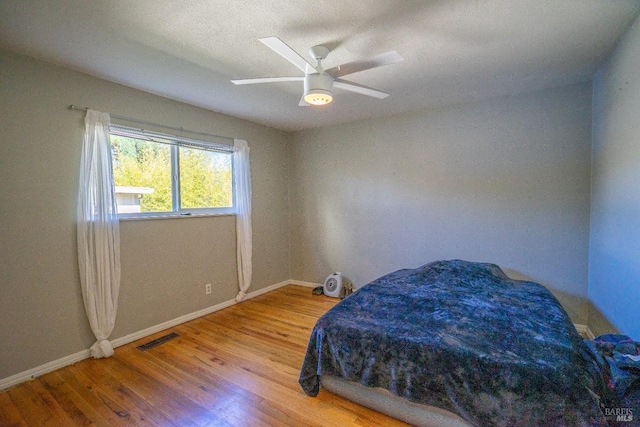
x=455, y=50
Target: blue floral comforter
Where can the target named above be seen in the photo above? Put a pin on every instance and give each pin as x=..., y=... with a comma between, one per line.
x=618, y=359
x=464, y=337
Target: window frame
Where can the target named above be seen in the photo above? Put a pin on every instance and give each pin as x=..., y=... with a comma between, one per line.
x=222, y=145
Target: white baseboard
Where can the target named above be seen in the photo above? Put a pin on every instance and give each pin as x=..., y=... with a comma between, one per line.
x=584, y=330
x=43, y=369
x=85, y=354
x=305, y=284
x=187, y=317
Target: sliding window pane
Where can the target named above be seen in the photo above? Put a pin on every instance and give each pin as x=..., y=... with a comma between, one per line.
x=205, y=179
x=142, y=175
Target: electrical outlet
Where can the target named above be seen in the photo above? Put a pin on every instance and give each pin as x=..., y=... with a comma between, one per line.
x=207, y=288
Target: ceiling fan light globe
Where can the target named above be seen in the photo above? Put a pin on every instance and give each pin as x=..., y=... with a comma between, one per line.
x=318, y=97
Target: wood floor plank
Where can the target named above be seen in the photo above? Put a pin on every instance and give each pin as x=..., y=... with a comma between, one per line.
x=118, y=396
x=9, y=415
x=226, y=337
x=280, y=396
x=235, y=367
x=220, y=371
x=96, y=398
x=164, y=398
x=78, y=409
x=231, y=352
x=37, y=407
x=221, y=402
x=293, y=328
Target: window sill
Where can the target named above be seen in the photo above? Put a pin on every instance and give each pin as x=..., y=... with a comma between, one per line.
x=173, y=216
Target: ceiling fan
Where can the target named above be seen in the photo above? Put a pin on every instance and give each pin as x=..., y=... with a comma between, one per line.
x=318, y=82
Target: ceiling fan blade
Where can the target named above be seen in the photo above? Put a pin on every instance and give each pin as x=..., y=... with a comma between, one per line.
x=302, y=102
x=361, y=89
x=266, y=80
x=282, y=49
x=386, y=58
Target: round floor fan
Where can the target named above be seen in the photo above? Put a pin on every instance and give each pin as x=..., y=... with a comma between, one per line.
x=334, y=285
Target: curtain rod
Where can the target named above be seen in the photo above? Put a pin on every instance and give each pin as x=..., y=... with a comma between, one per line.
x=142, y=122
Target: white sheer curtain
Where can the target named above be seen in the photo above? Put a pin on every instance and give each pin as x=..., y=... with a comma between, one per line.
x=98, y=232
x=242, y=180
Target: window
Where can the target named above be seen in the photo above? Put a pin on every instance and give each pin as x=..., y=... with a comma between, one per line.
x=159, y=174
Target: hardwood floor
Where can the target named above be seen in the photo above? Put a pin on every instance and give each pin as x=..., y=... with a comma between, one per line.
x=236, y=367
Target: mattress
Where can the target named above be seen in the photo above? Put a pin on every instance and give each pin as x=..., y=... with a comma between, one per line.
x=383, y=401
x=465, y=338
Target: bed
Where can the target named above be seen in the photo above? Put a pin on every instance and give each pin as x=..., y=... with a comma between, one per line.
x=457, y=343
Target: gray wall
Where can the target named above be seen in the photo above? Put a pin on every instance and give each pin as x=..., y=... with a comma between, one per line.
x=614, y=273
x=503, y=181
x=165, y=263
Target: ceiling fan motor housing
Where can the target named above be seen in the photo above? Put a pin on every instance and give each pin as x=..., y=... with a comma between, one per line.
x=319, y=85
